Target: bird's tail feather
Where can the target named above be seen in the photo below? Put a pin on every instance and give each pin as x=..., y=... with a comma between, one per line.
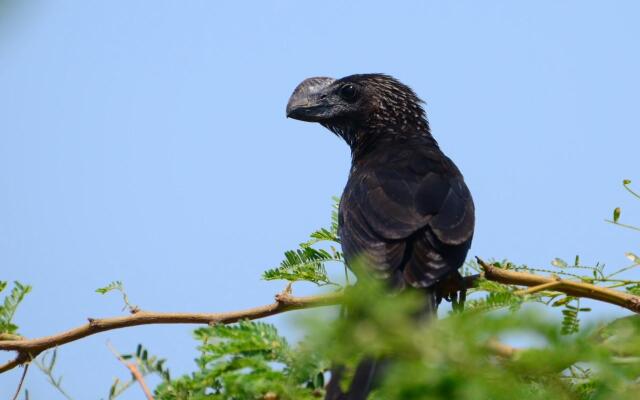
x=369, y=370
x=365, y=378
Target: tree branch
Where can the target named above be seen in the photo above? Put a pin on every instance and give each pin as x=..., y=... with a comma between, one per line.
x=10, y=336
x=500, y=349
x=29, y=348
x=572, y=288
x=20, y=359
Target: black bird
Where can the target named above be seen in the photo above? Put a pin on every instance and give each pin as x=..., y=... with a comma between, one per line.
x=406, y=210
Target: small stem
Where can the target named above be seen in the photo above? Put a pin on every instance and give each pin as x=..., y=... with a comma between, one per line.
x=539, y=288
x=635, y=228
x=134, y=371
x=572, y=288
x=626, y=186
x=24, y=375
x=622, y=270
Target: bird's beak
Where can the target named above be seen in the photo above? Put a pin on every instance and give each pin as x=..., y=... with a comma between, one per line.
x=309, y=100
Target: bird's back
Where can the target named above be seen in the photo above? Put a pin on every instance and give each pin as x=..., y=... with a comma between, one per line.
x=406, y=214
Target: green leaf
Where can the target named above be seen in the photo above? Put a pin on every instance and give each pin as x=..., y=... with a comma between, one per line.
x=616, y=214
x=10, y=305
x=305, y=264
x=634, y=289
x=560, y=263
x=115, y=285
x=324, y=234
x=245, y=361
x=634, y=258
x=308, y=263
x=563, y=301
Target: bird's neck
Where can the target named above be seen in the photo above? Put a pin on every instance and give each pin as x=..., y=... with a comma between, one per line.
x=367, y=140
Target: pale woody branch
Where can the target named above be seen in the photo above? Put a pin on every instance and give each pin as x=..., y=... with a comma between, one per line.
x=28, y=349
x=570, y=287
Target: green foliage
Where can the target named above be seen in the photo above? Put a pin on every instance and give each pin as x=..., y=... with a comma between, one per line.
x=308, y=263
x=617, y=212
x=147, y=365
x=437, y=359
x=118, y=286
x=491, y=295
x=115, y=285
x=10, y=305
x=324, y=234
x=46, y=363
x=304, y=264
x=248, y=360
x=450, y=358
x=556, y=356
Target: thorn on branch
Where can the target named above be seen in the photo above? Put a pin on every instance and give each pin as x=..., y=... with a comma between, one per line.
x=283, y=298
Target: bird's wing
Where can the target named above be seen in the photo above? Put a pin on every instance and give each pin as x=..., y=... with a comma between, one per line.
x=414, y=216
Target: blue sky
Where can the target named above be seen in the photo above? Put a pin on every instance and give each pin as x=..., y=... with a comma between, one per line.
x=147, y=142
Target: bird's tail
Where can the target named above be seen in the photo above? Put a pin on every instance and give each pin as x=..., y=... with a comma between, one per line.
x=369, y=371
x=365, y=378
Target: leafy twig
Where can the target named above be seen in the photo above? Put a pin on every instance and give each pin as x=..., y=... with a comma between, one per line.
x=635, y=228
x=119, y=287
x=134, y=371
x=47, y=369
x=10, y=305
x=572, y=288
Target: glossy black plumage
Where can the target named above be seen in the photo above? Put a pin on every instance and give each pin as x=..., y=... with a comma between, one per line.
x=406, y=212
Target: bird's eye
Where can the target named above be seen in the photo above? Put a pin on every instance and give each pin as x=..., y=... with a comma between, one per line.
x=348, y=92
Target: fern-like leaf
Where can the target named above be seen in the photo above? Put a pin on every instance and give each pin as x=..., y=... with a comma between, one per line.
x=10, y=305
x=304, y=264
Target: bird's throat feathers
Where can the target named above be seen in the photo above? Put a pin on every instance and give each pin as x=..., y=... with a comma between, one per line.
x=363, y=138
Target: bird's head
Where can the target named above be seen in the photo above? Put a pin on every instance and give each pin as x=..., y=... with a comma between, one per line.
x=359, y=105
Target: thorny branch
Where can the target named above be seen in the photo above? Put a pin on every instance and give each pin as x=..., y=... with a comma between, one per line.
x=28, y=349
x=570, y=287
